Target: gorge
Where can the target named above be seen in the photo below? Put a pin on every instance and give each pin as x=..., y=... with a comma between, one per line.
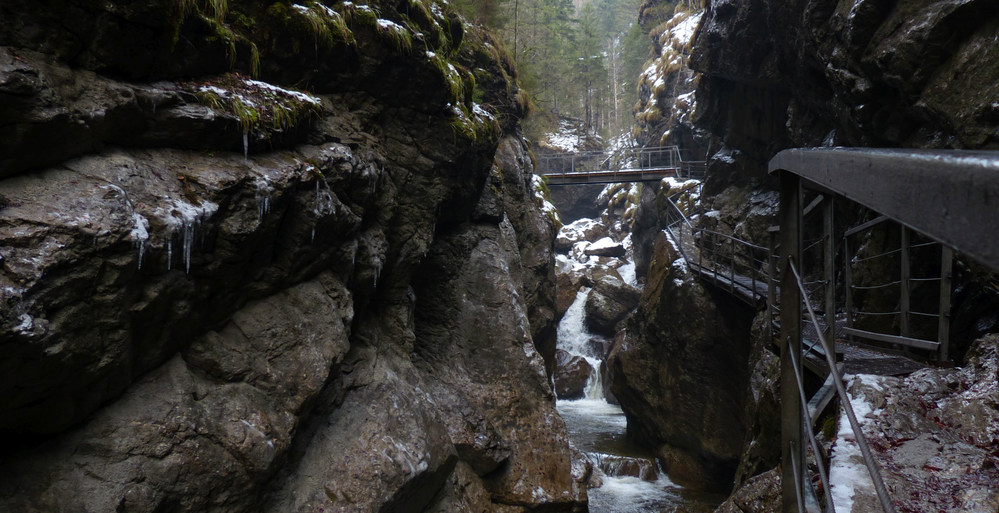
x=277, y=256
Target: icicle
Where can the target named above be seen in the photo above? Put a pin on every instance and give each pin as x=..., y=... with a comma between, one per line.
x=170, y=253
x=188, y=243
x=246, y=146
x=263, y=196
x=142, y=251
x=313, y=241
x=263, y=207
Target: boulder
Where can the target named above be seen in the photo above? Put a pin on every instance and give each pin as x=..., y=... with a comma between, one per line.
x=567, y=284
x=610, y=301
x=606, y=247
x=571, y=375
x=588, y=230
x=645, y=469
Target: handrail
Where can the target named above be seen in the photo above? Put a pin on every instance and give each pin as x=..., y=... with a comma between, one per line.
x=861, y=439
x=707, y=256
x=623, y=160
x=947, y=194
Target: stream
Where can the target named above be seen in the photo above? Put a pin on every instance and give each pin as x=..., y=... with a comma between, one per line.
x=631, y=479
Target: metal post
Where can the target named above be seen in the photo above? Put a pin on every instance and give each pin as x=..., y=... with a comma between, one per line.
x=792, y=431
x=946, y=277
x=714, y=256
x=904, y=275
x=830, y=270
x=848, y=283
x=771, y=282
x=731, y=264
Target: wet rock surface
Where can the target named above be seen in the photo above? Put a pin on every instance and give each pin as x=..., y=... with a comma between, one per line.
x=356, y=314
x=679, y=372
x=934, y=434
x=571, y=375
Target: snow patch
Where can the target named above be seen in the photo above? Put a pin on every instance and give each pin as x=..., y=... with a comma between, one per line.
x=27, y=323
x=389, y=25
x=848, y=475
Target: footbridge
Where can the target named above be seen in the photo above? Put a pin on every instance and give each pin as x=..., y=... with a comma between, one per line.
x=856, y=278
x=625, y=165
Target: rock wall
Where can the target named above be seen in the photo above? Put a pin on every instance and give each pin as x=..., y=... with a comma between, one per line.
x=225, y=294
x=679, y=371
x=774, y=75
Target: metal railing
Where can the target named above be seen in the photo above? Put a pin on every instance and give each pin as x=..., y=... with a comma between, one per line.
x=808, y=420
x=624, y=163
x=724, y=260
x=942, y=196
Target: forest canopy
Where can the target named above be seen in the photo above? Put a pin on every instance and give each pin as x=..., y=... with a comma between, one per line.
x=578, y=59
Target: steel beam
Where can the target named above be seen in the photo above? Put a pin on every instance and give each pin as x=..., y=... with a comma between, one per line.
x=792, y=429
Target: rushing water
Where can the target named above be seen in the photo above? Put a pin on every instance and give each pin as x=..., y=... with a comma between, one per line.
x=598, y=428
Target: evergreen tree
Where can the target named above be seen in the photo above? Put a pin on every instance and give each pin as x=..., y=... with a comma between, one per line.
x=577, y=65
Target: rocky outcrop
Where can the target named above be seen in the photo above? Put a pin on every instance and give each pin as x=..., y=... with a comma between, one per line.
x=220, y=294
x=667, y=98
x=685, y=354
x=933, y=433
x=869, y=73
x=608, y=303
x=572, y=372
x=775, y=75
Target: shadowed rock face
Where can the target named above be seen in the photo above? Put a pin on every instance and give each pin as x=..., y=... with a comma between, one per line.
x=871, y=73
x=814, y=73
x=358, y=316
x=683, y=354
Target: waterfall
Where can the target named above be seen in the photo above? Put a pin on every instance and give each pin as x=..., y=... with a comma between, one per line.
x=573, y=338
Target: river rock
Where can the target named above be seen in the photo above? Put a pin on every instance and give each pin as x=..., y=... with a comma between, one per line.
x=569, y=279
x=610, y=301
x=645, y=469
x=761, y=494
x=680, y=374
x=585, y=229
x=606, y=247
x=571, y=375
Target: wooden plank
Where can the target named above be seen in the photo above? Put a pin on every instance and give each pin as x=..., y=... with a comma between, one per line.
x=894, y=339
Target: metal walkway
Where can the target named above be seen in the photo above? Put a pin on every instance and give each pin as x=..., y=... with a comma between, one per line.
x=926, y=205
x=625, y=165
x=935, y=202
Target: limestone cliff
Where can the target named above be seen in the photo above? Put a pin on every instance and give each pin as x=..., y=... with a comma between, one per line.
x=775, y=75
x=325, y=288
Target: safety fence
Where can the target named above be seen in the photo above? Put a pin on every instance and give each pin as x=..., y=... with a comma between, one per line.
x=622, y=165
x=940, y=202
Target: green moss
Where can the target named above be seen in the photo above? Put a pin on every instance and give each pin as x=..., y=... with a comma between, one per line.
x=452, y=79
x=326, y=25
x=256, y=106
x=360, y=15
x=400, y=37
